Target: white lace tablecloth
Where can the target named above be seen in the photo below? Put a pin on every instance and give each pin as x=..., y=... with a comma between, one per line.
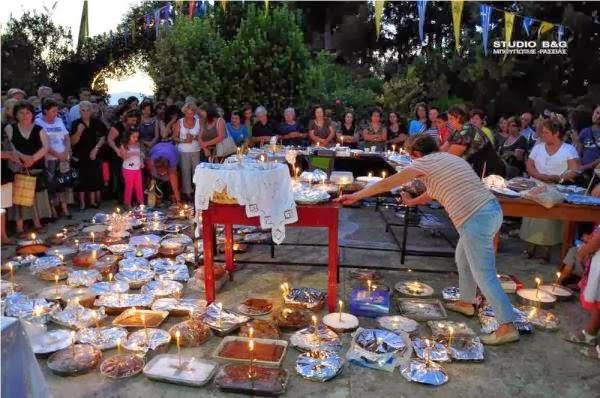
x=264, y=189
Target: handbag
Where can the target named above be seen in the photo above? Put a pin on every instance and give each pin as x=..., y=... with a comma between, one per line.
x=24, y=189
x=226, y=147
x=68, y=178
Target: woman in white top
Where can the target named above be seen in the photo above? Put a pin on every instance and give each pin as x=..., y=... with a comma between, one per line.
x=185, y=133
x=59, y=152
x=550, y=161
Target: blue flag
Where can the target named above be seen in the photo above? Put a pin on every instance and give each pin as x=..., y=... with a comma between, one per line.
x=421, y=6
x=486, y=14
x=527, y=22
x=199, y=9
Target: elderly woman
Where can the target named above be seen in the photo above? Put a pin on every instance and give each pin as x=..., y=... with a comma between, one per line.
x=212, y=132
x=185, y=133
x=321, y=130
x=263, y=129
x=552, y=161
x=29, y=144
x=375, y=133
x=163, y=160
x=347, y=133
x=290, y=129
x=59, y=152
x=87, y=139
x=236, y=130
x=475, y=213
x=513, y=150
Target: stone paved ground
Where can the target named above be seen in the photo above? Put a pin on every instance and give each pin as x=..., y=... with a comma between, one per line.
x=540, y=365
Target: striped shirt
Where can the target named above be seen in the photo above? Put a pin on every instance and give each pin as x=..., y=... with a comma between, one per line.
x=452, y=182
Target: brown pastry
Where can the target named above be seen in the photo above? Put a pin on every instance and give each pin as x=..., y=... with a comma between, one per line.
x=171, y=251
x=87, y=258
x=292, y=318
x=192, y=333
x=121, y=366
x=133, y=318
x=262, y=351
x=262, y=329
x=107, y=264
x=35, y=249
x=258, y=305
x=76, y=360
x=49, y=274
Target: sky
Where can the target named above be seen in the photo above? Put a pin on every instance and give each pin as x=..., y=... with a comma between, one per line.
x=103, y=15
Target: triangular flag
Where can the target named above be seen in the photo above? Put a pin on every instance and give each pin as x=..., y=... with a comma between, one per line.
x=486, y=15
x=527, y=23
x=509, y=21
x=457, y=8
x=378, y=15
x=84, y=29
x=544, y=28
x=224, y=5
x=191, y=7
x=267, y=6
x=421, y=7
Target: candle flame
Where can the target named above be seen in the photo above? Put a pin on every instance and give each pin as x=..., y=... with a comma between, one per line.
x=314, y=320
x=250, y=345
x=56, y=278
x=33, y=236
x=538, y=281
x=177, y=335
x=251, y=333
x=451, y=330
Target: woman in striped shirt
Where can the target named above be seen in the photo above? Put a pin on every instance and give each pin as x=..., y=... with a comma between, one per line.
x=475, y=213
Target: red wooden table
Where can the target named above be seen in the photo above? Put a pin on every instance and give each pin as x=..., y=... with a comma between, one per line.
x=324, y=216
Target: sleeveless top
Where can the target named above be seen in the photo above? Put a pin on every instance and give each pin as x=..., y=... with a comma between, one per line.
x=184, y=132
x=133, y=161
x=28, y=146
x=209, y=133
x=147, y=130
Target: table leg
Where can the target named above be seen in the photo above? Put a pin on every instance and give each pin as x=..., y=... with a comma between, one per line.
x=229, y=250
x=568, y=236
x=333, y=265
x=209, y=271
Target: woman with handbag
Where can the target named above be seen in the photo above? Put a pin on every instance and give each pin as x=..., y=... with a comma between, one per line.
x=214, y=140
x=58, y=156
x=30, y=143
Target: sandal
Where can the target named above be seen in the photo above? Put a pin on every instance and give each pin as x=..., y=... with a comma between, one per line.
x=580, y=338
x=591, y=352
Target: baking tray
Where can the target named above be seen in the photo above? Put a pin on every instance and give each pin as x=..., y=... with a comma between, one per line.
x=121, y=321
x=275, y=384
x=245, y=340
x=164, y=367
x=408, y=308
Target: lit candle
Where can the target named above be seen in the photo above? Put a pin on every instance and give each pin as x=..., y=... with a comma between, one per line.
x=370, y=174
x=393, y=148
x=318, y=144
x=451, y=332
x=285, y=289
x=556, y=283
x=33, y=236
x=427, y=351
x=77, y=243
x=191, y=313
x=314, y=322
x=251, y=333
x=178, y=337
x=341, y=305
x=62, y=258
x=145, y=329
x=96, y=319
x=369, y=283
x=110, y=276
x=297, y=170
x=92, y=236
x=220, y=305
x=118, y=211
x=251, y=351
x=56, y=283
x=12, y=274
x=37, y=311
x=538, y=281
x=119, y=346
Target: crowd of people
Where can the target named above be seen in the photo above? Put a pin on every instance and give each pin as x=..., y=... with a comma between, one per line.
x=82, y=150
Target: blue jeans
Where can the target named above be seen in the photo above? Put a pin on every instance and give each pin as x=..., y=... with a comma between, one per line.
x=476, y=260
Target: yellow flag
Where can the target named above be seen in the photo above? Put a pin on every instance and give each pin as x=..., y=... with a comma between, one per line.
x=378, y=14
x=224, y=5
x=266, y=6
x=545, y=27
x=509, y=21
x=457, y=8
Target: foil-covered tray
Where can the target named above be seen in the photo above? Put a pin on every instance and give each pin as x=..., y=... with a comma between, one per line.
x=423, y=372
x=133, y=264
x=196, y=372
x=187, y=258
x=180, y=307
x=430, y=349
x=306, y=297
x=121, y=248
x=118, y=301
x=101, y=288
x=180, y=239
x=450, y=328
x=541, y=319
x=379, y=341
x=465, y=348
x=76, y=316
x=50, y=274
x=54, y=293
x=378, y=349
x=489, y=323
x=414, y=289
x=143, y=252
x=22, y=261
x=83, y=296
x=137, y=318
x=45, y=262
x=99, y=218
x=319, y=338
x=144, y=340
x=221, y=320
x=266, y=352
x=135, y=278
x=163, y=289
x=397, y=323
x=451, y=293
x=319, y=365
x=121, y=366
x=263, y=381
x=84, y=278
x=192, y=332
x=19, y=305
x=422, y=309
x=66, y=251
x=310, y=196
x=74, y=360
x=103, y=338
x=145, y=240
x=166, y=268
x=91, y=247
x=51, y=341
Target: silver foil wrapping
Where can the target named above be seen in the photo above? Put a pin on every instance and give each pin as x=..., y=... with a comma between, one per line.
x=437, y=351
x=465, y=348
x=195, y=306
x=313, y=176
x=163, y=288
x=110, y=287
x=319, y=365
x=489, y=323
x=89, y=246
x=397, y=323
x=541, y=319
x=187, y=257
x=84, y=278
x=223, y=320
x=100, y=218
x=168, y=269
x=310, y=196
x=103, y=338
x=124, y=300
x=451, y=293
x=309, y=339
x=19, y=305
x=306, y=297
x=446, y=328
x=76, y=316
x=135, y=278
x=22, y=261
x=180, y=239
x=426, y=373
x=142, y=252
x=376, y=349
x=121, y=248
x=133, y=264
x=44, y=262
x=137, y=341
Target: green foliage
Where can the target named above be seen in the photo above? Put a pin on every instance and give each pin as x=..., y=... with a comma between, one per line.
x=402, y=93
x=189, y=60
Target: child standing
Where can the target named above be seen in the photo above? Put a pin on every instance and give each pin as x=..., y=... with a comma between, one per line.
x=131, y=154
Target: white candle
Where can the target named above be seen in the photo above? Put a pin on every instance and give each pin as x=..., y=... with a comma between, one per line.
x=538, y=281
x=341, y=305
x=177, y=337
